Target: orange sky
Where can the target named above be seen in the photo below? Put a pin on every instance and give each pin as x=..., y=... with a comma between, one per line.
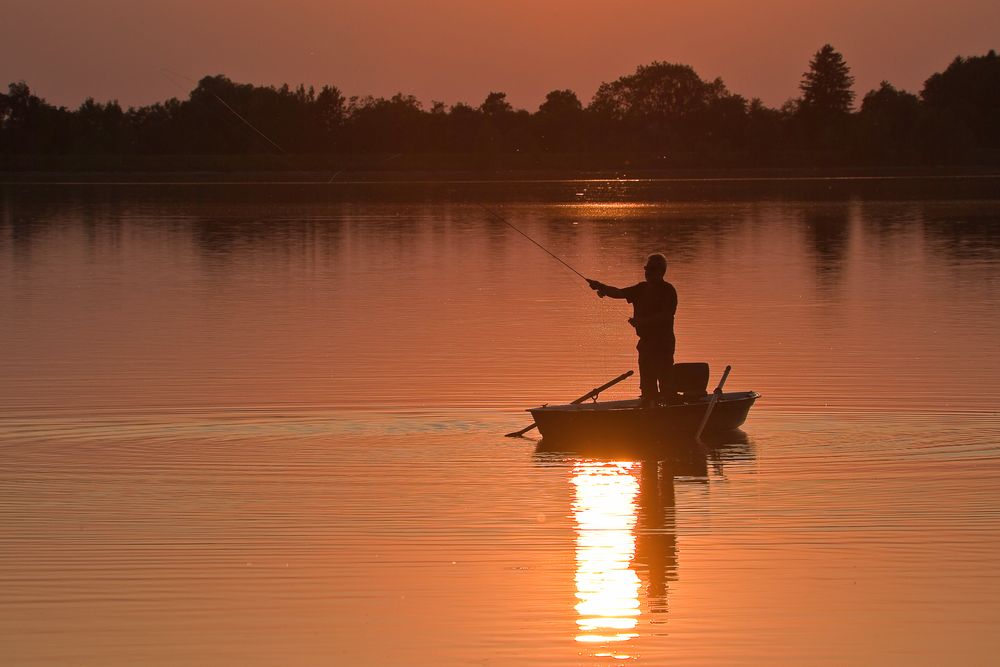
x=457, y=50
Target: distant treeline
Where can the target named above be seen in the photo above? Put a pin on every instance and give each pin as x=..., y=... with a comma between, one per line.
x=662, y=115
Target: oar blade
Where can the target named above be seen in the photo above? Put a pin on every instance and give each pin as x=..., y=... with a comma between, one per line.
x=518, y=434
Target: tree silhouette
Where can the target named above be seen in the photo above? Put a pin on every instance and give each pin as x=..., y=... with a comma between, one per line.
x=763, y=133
x=826, y=87
x=496, y=104
x=823, y=114
x=966, y=97
x=663, y=107
x=886, y=124
x=661, y=115
x=329, y=114
x=395, y=125
x=28, y=124
x=560, y=122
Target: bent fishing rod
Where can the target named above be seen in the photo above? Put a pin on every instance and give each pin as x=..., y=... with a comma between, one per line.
x=493, y=214
x=496, y=216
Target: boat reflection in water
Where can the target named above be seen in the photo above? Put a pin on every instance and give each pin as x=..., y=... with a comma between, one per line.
x=626, y=537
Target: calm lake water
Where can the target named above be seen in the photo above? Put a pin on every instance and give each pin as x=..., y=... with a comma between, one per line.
x=263, y=424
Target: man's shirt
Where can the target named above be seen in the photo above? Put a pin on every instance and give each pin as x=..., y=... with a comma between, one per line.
x=657, y=301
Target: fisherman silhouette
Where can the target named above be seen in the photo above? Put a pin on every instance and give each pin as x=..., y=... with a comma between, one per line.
x=654, y=302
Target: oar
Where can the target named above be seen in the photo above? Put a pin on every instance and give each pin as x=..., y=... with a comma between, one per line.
x=590, y=394
x=711, y=405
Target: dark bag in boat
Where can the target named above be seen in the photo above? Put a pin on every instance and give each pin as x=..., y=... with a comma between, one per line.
x=689, y=379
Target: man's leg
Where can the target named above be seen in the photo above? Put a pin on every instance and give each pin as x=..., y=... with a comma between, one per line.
x=664, y=367
x=648, y=372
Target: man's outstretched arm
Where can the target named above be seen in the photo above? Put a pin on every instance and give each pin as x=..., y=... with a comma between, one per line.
x=606, y=290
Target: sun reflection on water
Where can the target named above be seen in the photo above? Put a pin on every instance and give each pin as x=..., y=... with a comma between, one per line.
x=607, y=588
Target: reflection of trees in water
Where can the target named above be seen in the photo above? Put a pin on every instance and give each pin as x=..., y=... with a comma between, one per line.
x=222, y=243
x=683, y=231
x=961, y=230
x=972, y=233
x=828, y=231
x=28, y=215
x=360, y=239
x=953, y=230
x=885, y=223
x=303, y=234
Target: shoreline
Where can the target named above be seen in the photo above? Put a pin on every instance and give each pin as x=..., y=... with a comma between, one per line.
x=475, y=177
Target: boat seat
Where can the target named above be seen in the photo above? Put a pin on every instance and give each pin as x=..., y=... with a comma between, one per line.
x=690, y=379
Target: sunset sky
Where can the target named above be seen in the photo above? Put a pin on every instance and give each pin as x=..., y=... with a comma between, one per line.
x=457, y=50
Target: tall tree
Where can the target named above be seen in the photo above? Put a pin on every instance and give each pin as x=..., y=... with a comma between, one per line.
x=826, y=87
x=822, y=120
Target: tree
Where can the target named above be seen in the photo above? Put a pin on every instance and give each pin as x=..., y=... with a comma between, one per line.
x=329, y=115
x=460, y=130
x=101, y=128
x=763, y=131
x=394, y=125
x=157, y=127
x=824, y=112
x=560, y=103
x=663, y=107
x=496, y=104
x=29, y=124
x=967, y=94
x=505, y=129
x=657, y=90
x=826, y=87
x=886, y=124
x=559, y=122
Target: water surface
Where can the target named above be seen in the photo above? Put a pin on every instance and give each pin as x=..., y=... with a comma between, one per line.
x=263, y=424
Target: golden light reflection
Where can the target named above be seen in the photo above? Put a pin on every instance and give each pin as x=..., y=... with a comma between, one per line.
x=607, y=587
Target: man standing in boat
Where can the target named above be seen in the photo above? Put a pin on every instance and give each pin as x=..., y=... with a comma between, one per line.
x=654, y=303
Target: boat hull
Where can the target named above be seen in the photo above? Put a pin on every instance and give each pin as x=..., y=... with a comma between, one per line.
x=626, y=420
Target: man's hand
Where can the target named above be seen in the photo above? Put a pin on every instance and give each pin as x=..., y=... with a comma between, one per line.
x=598, y=287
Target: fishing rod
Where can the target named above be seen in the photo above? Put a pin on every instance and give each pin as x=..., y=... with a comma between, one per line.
x=493, y=214
x=496, y=216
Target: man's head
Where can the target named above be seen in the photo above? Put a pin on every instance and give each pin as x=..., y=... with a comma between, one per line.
x=656, y=267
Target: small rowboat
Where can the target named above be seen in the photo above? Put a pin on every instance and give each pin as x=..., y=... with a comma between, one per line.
x=627, y=419
x=693, y=412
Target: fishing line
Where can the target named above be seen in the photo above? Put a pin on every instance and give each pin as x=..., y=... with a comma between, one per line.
x=496, y=216
x=173, y=76
x=236, y=113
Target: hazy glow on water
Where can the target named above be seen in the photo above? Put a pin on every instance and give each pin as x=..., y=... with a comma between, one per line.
x=263, y=425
